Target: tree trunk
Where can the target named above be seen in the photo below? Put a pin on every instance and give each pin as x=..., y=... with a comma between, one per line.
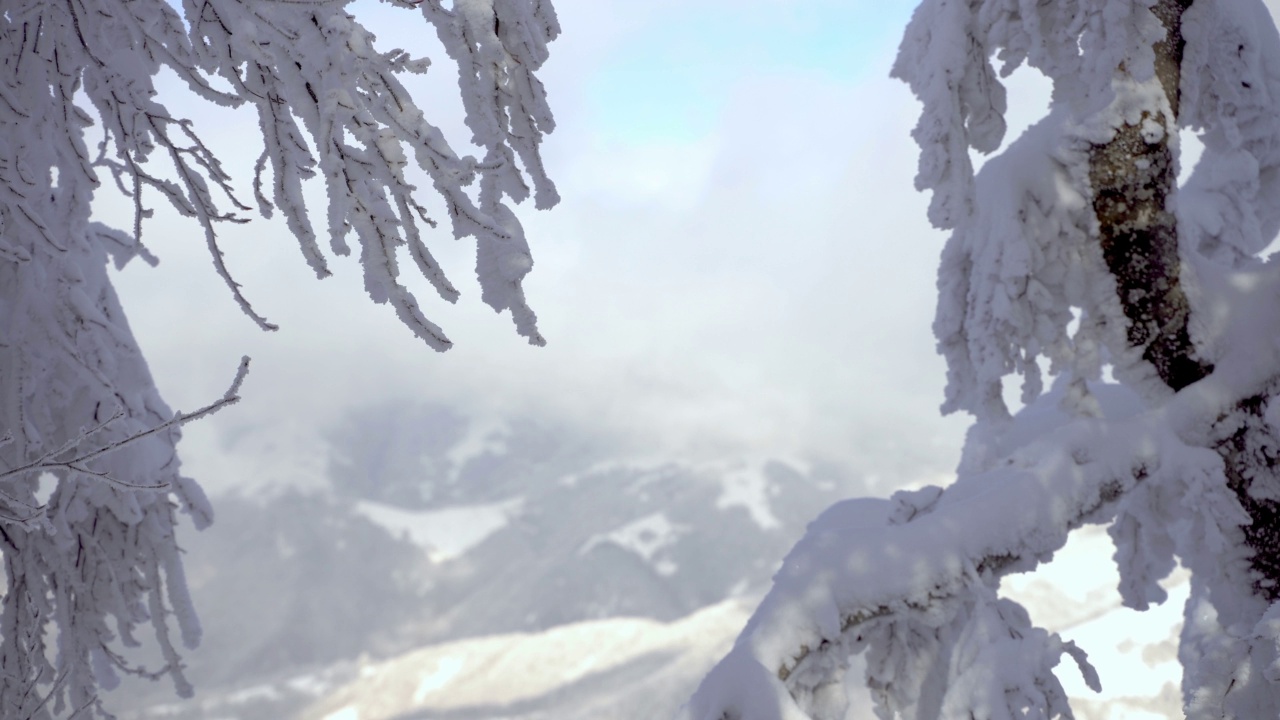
x=1133, y=177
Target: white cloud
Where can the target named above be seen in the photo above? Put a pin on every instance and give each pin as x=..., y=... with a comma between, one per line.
x=768, y=287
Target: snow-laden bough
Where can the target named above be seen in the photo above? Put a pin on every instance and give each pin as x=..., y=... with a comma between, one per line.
x=1072, y=252
x=91, y=559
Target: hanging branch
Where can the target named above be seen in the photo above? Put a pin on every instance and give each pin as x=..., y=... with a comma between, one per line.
x=48, y=461
x=103, y=559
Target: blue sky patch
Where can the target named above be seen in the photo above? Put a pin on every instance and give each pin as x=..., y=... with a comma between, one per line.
x=669, y=80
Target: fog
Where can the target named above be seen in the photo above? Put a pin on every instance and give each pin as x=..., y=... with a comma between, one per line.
x=739, y=265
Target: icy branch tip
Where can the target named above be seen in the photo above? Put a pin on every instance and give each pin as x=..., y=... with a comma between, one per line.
x=232, y=394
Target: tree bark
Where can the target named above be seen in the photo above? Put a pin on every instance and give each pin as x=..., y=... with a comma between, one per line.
x=1133, y=177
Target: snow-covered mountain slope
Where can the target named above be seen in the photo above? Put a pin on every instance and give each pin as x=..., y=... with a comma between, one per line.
x=615, y=668
x=486, y=529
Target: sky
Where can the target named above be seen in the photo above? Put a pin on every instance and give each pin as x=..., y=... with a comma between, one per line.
x=740, y=265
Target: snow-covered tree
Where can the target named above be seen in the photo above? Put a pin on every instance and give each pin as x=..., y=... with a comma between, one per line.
x=1071, y=252
x=90, y=488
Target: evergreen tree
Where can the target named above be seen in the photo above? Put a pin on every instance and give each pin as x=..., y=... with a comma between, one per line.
x=95, y=561
x=1073, y=249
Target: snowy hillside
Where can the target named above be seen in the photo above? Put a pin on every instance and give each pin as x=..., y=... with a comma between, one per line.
x=618, y=668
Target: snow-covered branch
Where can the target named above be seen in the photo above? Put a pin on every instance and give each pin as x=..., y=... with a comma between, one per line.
x=50, y=462
x=327, y=101
x=1074, y=246
x=98, y=559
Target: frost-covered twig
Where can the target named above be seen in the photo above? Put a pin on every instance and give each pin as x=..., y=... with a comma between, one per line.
x=48, y=461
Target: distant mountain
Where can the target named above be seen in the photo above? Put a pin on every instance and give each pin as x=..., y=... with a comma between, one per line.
x=620, y=668
x=527, y=571
x=655, y=541
x=468, y=531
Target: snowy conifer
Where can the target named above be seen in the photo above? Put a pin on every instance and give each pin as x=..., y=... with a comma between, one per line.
x=1072, y=250
x=95, y=562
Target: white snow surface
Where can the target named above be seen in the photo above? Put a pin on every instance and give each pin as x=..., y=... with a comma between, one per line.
x=614, y=668
x=445, y=533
